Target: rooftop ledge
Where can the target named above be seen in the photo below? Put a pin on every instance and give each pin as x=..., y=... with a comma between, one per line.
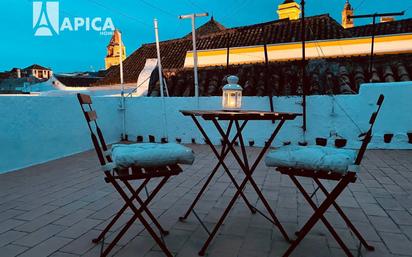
x=39, y=129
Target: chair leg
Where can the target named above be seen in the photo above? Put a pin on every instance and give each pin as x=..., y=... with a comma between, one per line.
x=145, y=209
x=319, y=213
x=323, y=219
x=138, y=215
x=117, y=216
x=112, y=244
x=346, y=219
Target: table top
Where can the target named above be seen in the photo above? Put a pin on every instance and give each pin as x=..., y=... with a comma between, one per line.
x=240, y=115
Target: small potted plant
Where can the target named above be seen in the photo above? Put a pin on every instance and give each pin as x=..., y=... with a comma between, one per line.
x=340, y=142
x=387, y=138
x=409, y=137
x=321, y=141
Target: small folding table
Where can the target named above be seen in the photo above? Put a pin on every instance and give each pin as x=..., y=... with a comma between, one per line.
x=238, y=121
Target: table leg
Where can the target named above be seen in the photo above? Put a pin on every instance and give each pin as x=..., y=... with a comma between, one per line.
x=248, y=173
x=223, y=152
x=221, y=158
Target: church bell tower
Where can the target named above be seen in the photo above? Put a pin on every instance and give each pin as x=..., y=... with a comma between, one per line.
x=347, y=11
x=113, y=50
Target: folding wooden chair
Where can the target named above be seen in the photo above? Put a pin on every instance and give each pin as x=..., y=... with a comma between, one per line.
x=328, y=164
x=152, y=166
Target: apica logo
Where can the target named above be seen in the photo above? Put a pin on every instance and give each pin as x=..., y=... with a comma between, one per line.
x=46, y=18
x=46, y=21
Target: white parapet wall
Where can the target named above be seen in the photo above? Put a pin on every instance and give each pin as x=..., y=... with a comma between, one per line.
x=346, y=116
x=39, y=129
x=35, y=129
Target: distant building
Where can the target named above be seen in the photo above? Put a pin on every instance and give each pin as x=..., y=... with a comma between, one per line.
x=387, y=19
x=38, y=71
x=114, y=49
x=347, y=11
x=338, y=55
x=17, y=85
x=80, y=79
x=20, y=80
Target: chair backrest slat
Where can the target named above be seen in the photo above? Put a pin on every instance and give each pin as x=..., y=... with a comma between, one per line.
x=367, y=137
x=91, y=117
x=84, y=99
x=373, y=118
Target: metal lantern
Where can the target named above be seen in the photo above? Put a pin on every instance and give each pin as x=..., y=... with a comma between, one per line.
x=232, y=94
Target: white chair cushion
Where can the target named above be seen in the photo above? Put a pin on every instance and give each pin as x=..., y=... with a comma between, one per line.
x=312, y=158
x=151, y=155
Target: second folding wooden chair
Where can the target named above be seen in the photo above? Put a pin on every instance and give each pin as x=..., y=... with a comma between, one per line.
x=126, y=163
x=324, y=163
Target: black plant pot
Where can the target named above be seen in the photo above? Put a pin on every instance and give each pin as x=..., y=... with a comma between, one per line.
x=139, y=139
x=410, y=137
x=340, y=142
x=151, y=139
x=164, y=140
x=287, y=143
x=179, y=140
x=251, y=143
x=387, y=138
x=321, y=141
x=193, y=141
x=303, y=143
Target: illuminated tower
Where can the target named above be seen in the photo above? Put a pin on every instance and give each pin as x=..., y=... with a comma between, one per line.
x=289, y=10
x=113, y=50
x=347, y=11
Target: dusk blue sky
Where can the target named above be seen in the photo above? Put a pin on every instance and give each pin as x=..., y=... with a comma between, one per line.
x=81, y=51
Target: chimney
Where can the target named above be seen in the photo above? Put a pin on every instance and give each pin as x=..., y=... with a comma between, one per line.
x=289, y=9
x=387, y=19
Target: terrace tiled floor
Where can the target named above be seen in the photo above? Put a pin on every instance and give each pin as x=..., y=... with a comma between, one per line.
x=55, y=209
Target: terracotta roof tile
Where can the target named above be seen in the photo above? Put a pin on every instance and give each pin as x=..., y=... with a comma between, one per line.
x=321, y=27
x=326, y=76
x=210, y=27
x=77, y=81
x=385, y=28
x=37, y=67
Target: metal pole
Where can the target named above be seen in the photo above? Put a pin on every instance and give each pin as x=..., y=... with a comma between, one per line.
x=195, y=59
x=123, y=102
x=159, y=61
x=304, y=65
x=374, y=16
x=265, y=49
x=372, y=48
x=228, y=55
